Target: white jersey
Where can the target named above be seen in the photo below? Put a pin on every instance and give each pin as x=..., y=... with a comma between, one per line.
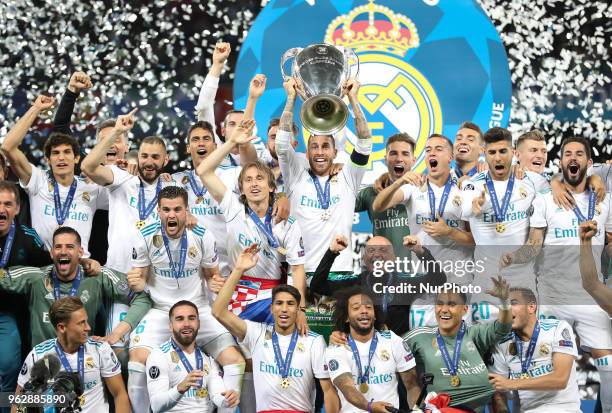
x=492, y=244
x=555, y=336
x=123, y=215
x=559, y=264
x=99, y=362
x=41, y=191
x=207, y=210
x=416, y=200
x=165, y=371
x=164, y=288
x=242, y=232
x=308, y=363
x=389, y=358
x=305, y=204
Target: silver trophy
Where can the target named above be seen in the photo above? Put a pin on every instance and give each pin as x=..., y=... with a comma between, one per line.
x=321, y=69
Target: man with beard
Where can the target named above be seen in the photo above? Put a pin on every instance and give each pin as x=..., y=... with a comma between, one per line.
x=393, y=222
x=435, y=216
x=537, y=361
x=497, y=206
x=65, y=277
x=464, y=374
x=365, y=370
x=285, y=364
x=560, y=291
x=322, y=203
x=57, y=196
x=171, y=262
x=93, y=361
x=181, y=376
x=379, y=250
x=467, y=149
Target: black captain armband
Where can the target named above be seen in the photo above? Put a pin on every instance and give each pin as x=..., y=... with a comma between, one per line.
x=359, y=158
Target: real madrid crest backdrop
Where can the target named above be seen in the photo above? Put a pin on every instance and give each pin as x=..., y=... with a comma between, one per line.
x=425, y=66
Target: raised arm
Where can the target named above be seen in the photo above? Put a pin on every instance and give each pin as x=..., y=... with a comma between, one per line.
x=588, y=270
x=206, y=169
x=93, y=164
x=234, y=324
x=61, y=122
x=319, y=283
x=501, y=290
x=248, y=153
x=364, y=135
x=205, y=107
x=10, y=146
x=392, y=195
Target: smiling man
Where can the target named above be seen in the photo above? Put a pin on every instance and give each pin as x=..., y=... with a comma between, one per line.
x=467, y=148
x=57, y=196
x=531, y=152
x=171, y=262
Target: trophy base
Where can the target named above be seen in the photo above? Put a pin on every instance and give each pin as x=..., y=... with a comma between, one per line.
x=324, y=114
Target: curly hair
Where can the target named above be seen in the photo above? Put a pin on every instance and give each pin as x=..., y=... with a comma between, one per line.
x=341, y=310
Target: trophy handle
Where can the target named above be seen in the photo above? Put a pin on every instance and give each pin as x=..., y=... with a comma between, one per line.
x=350, y=54
x=291, y=53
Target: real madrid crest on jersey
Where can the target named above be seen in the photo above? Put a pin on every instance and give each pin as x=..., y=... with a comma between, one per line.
x=185, y=180
x=192, y=252
x=523, y=192
x=384, y=354
x=89, y=362
x=457, y=201
x=403, y=49
x=544, y=349
x=158, y=241
x=85, y=197
x=174, y=356
x=512, y=349
x=598, y=209
x=300, y=347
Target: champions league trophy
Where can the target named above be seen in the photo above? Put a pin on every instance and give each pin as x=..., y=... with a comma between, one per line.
x=320, y=69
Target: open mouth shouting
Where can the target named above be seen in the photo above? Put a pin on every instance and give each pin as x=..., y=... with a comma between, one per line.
x=573, y=169
x=201, y=151
x=399, y=170
x=63, y=264
x=433, y=164
x=111, y=155
x=3, y=218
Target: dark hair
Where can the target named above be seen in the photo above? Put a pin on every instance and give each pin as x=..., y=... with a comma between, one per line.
x=401, y=137
x=448, y=141
x=108, y=123
x=180, y=304
x=173, y=192
x=66, y=230
x=463, y=296
x=229, y=112
x=472, y=126
x=261, y=167
x=202, y=124
x=154, y=140
x=132, y=155
x=276, y=121
x=527, y=294
x=341, y=310
x=289, y=289
x=584, y=142
x=57, y=139
x=497, y=134
x=61, y=310
x=10, y=187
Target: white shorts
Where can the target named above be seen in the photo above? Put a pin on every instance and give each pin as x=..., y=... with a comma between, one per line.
x=590, y=322
x=153, y=330
x=116, y=315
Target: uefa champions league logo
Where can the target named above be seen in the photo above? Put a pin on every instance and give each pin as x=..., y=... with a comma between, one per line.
x=425, y=66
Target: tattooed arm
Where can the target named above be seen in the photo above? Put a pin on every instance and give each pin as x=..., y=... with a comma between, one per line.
x=345, y=384
x=527, y=252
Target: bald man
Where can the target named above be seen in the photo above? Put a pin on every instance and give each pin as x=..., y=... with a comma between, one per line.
x=379, y=250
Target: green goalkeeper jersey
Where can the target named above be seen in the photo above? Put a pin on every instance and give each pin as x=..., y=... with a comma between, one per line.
x=36, y=284
x=474, y=389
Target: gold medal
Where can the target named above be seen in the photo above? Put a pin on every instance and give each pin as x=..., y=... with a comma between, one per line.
x=455, y=381
x=139, y=224
x=2, y=273
x=281, y=250
x=202, y=392
x=363, y=387
x=284, y=383
x=500, y=228
x=82, y=400
x=199, y=200
x=174, y=356
x=524, y=376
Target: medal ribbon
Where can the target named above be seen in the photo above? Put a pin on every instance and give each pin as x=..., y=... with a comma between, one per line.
x=591, y=210
x=194, y=185
x=363, y=375
x=530, y=348
x=186, y=363
x=265, y=227
x=61, y=211
x=73, y=289
x=452, y=367
x=500, y=212
x=324, y=195
x=8, y=245
x=176, y=273
x=443, y=199
x=145, y=210
x=284, y=365
x=66, y=364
